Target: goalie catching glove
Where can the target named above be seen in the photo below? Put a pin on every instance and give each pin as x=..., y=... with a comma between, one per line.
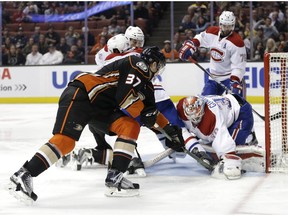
x=187, y=50
x=175, y=133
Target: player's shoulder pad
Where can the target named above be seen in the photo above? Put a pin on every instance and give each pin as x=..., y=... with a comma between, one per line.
x=139, y=64
x=236, y=39
x=213, y=30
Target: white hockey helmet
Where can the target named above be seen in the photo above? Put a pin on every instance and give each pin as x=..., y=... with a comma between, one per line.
x=193, y=108
x=227, y=21
x=135, y=35
x=118, y=43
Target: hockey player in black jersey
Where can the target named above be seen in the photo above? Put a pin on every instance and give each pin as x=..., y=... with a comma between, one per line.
x=112, y=97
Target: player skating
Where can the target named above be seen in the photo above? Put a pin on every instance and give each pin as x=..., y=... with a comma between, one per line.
x=102, y=152
x=122, y=85
x=227, y=57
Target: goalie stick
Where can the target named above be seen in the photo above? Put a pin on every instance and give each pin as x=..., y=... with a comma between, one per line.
x=207, y=166
x=272, y=117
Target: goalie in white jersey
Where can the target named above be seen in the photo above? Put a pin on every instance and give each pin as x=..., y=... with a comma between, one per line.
x=227, y=55
x=224, y=121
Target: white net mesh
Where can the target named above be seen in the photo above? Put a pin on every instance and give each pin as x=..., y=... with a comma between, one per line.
x=276, y=107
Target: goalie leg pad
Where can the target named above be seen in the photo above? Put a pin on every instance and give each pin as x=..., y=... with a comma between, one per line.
x=228, y=167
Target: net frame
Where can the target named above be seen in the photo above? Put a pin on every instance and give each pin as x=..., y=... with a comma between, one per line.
x=275, y=95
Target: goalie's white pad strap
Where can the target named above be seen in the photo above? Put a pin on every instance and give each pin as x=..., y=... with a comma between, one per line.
x=241, y=150
x=228, y=167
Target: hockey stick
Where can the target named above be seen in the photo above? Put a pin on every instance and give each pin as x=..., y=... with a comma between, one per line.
x=207, y=166
x=273, y=117
x=157, y=158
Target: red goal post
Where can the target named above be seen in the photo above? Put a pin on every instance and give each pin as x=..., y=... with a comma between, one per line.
x=276, y=102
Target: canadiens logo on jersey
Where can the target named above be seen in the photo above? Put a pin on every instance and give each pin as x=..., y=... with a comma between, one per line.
x=217, y=55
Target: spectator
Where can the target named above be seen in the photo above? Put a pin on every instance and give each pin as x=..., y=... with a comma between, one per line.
x=282, y=42
x=271, y=46
x=91, y=38
x=52, y=36
x=104, y=33
x=170, y=55
x=80, y=47
x=36, y=34
x=258, y=52
x=34, y=58
x=6, y=34
x=258, y=38
x=186, y=23
x=28, y=48
x=73, y=56
x=18, y=16
x=52, y=10
x=42, y=44
x=52, y=57
x=269, y=30
x=98, y=46
x=7, y=43
x=177, y=41
x=141, y=12
x=13, y=57
x=201, y=25
x=189, y=34
x=246, y=43
x=274, y=20
x=63, y=46
x=29, y=10
x=203, y=55
x=21, y=38
x=280, y=14
x=71, y=36
x=113, y=28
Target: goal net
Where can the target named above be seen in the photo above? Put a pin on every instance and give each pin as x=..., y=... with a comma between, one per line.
x=276, y=122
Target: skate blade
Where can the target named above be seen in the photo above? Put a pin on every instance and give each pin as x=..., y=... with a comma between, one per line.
x=19, y=194
x=139, y=173
x=114, y=192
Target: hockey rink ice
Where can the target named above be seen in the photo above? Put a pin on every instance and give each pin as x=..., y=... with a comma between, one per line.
x=181, y=188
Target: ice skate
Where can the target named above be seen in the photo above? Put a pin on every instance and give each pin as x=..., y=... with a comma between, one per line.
x=21, y=186
x=135, y=169
x=118, y=186
x=63, y=161
x=252, y=139
x=84, y=156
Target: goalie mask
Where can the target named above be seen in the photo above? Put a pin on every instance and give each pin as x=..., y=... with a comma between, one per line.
x=193, y=108
x=135, y=36
x=118, y=44
x=155, y=60
x=227, y=21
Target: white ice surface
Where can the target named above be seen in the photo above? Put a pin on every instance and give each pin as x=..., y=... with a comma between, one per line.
x=181, y=188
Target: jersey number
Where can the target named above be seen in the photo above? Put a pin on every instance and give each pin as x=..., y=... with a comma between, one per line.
x=130, y=80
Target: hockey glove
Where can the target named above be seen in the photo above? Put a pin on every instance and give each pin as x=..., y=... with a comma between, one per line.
x=149, y=116
x=235, y=85
x=187, y=50
x=177, y=142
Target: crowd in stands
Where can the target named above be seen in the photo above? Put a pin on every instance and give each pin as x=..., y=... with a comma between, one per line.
x=26, y=43
x=269, y=27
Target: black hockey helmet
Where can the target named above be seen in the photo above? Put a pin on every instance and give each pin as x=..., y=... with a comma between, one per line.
x=154, y=54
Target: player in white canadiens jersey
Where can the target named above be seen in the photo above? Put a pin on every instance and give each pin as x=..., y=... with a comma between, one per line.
x=224, y=121
x=227, y=55
x=227, y=58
